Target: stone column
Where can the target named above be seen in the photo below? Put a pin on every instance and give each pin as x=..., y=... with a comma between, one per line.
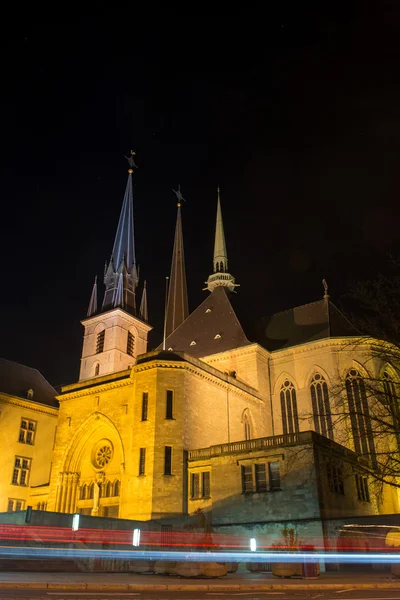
x=68, y=493
x=75, y=481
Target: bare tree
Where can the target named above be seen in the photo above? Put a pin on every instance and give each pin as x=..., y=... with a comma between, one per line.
x=365, y=407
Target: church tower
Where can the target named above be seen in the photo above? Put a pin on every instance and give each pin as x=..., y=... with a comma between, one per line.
x=177, y=304
x=220, y=276
x=115, y=334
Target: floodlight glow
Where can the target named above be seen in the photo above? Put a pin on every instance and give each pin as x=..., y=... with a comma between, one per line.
x=75, y=522
x=253, y=544
x=136, y=537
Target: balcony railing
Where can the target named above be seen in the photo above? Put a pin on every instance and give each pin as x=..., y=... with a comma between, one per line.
x=274, y=441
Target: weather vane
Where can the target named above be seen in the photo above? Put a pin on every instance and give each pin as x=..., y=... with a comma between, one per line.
x=179, y=196
x=131, y=161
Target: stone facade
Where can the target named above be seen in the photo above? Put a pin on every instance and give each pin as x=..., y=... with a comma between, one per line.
x=28, y=432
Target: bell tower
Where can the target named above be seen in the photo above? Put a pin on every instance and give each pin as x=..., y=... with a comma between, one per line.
x=116, y=334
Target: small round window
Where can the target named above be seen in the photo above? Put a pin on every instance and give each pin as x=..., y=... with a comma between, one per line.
x=102, y=454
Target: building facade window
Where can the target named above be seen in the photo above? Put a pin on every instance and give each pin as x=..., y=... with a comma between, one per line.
x=14, y=504
x=21, y=472
x=130, y=344
x=274, y=475
x=169, y=405
x=107, y=489
x=142, y=461
x=145, y=404
x=321, y=406
x=206, y=484
x=97, y=369
x=362, y=488
x=27, y=432
x=83, y=492
x=290, y=418
x=41, y=506
x=247, y=425
x=334, y=473
x=392, y=402
x=195, y=485
x=168, y=460
x=261, y=477
x=90, y=495
x=116, y=487
x=100, y=341
x=359, y=414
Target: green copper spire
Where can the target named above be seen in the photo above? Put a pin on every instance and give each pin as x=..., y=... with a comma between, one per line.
x=220, y=276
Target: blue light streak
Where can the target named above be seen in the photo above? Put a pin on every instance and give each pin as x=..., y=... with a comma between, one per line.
x=72, y=553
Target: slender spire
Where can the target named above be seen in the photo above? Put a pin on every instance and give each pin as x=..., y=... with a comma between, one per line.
x=177, y=304
x=92, y=310
x=143, y=313
x=220, y=254
x=123, y=260
x=220, y=274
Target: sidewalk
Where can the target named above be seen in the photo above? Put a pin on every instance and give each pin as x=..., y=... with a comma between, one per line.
x=118, y=582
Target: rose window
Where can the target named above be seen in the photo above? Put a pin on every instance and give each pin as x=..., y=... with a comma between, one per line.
x=103, y=456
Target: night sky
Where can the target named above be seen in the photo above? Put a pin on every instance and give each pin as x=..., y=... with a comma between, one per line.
x=295, y=115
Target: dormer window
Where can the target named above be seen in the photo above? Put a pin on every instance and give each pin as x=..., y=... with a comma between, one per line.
x=170, y=349
x=193, y=343
x=217, y=337
x=29, y=394
x=208, y=310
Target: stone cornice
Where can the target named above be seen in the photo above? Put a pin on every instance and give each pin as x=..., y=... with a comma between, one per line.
x=35, y=406
x=328, y=343
x=242, y=351
x=207, y=372
x=112, y=312
x=95, y=389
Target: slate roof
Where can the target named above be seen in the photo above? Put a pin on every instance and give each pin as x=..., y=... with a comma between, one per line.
x=302, y=324
x=213, y=327
x=16, y=380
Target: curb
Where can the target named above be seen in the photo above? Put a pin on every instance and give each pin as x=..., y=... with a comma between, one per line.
x=196, y=587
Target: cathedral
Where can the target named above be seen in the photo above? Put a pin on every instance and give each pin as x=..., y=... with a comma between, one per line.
x=240, y=428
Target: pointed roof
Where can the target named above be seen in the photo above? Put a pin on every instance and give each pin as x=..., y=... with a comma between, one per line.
x=121, y=269
x=213, y=327
x=177, y=305
x=17, y=379
x=307, y=323
x=124, y=243
x=220, y=276
x=220, y=254
x=143, y=312
x=92, y=310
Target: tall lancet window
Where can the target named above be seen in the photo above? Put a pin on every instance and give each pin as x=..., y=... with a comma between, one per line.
x=100, y=341
x=392, y=402
x=321, y=406
x=247, y=426
x=359, y=414
x=290, y=417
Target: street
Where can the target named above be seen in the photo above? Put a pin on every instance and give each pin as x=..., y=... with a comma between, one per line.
x=320, y=594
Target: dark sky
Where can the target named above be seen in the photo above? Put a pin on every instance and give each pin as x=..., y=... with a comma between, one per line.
x=295, y=114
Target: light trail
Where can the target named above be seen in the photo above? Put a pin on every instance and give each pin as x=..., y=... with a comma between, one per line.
x=71, y=553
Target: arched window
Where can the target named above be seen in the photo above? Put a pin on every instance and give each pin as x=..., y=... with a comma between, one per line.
x=290, y=418
x=217, y=267
x=221, y=266
x=107, y=489
x=96, y=369
x=359, y=414
x=247, y=426
x=83, y=494
x=91, y=491
x=117, y=487
x=321, y=406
